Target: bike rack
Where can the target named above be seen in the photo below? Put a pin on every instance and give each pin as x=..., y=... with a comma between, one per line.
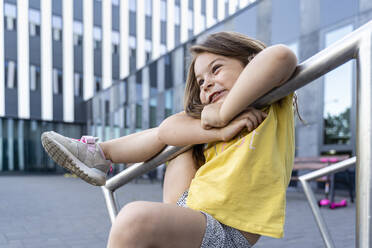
x=357, y=45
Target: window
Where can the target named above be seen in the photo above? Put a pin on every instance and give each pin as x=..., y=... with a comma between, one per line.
x=148, y=7
x=337, y=96
x=78, y=40
x=132, y=5
x=98, y=84
x=190, y=17
x=78, y=84
x=10, y=23
x=57, y=82
x=163, y=10
x=11, y=78
x=177, y=13
x=115, y=48
x=57, y=34
x=34, y=77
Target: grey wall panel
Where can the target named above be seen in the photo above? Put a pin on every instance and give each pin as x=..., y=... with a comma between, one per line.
x=35, y=104
x=57, y=54
x=80, y=110
x=57, y=7
x=97, y=63
x=78, y=10
x=115, y=67
x=34, y=4
x=78, y=59
x=285, y=27
x=332, y=13
x=115, y=18
x=11, y=102
x=10, y=41
x=97, y=13
x=57, y=108
x=34, y=50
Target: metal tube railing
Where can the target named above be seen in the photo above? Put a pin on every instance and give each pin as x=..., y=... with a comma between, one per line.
x=311, y=197
x=356, y=45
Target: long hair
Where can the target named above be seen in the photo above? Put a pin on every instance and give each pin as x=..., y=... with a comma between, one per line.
x=228, y=44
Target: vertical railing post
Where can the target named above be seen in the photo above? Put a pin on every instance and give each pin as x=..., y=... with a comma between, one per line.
x=364, y=144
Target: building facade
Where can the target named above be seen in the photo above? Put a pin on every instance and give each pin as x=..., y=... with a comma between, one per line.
x=56, y=55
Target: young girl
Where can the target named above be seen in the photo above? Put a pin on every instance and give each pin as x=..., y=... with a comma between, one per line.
x=230, y=190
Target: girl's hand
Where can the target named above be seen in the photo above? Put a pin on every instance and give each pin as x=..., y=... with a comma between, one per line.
x=250, y=118
x=210, y=116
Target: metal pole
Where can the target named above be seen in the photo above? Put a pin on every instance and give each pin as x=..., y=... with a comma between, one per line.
x=317, y=215
x=110, y=203
x=364, y=144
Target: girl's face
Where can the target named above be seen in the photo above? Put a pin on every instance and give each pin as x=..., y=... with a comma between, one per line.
x=216, y=75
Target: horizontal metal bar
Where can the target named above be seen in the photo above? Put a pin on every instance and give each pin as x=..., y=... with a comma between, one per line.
x=329, y=169
x=139, y=169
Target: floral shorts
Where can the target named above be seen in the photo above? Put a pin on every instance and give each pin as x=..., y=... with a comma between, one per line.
x=218, y=235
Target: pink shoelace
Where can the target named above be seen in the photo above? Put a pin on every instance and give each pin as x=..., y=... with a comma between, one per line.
x=91, y=142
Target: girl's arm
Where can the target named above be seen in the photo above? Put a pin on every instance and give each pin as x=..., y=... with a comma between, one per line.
x=181, y=130
x=269, y=69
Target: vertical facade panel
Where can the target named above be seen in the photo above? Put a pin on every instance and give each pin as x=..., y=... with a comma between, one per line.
x=140, y=19
x=68, y=61
x=221, y=10
x=23, y=60
x=232, y=6
x=124, y=38
x=2, y=71
x=46, y=61
x=106, y=44
x=88, y=59
x=156, y=29
x=170, y=24
x=209, y=12
x=184, y=20
x=197, y=17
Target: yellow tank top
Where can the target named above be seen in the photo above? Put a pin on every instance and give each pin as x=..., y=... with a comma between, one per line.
x=243, y=182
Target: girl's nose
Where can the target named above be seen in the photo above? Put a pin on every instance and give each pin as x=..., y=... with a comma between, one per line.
x=208, y=83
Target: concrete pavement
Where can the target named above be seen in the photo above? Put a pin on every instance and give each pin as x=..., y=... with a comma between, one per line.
x=53, y=211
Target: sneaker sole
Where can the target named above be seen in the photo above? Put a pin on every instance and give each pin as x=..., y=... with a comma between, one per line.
x=67, y=160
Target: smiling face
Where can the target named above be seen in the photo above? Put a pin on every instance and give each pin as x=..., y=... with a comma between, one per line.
x=215, y=75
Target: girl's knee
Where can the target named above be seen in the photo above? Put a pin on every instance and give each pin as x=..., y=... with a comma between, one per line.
x=132, y=222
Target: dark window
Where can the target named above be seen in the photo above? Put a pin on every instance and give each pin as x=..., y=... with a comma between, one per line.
x=132, y=24
x=163, y=33
x=98, y=84
x=60, y=82
x=177, y=35
x=148, y=28
x=107, y=112
x=191, y=4
x=148, y=56
x=132, y=60
x=37, y=78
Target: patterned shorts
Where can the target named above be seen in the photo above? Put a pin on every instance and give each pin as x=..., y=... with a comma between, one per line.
x=218, y=235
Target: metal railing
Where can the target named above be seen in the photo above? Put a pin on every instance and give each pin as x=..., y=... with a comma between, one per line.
x=357, y=45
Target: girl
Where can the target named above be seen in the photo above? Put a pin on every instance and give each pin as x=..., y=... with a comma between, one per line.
x=233, y=188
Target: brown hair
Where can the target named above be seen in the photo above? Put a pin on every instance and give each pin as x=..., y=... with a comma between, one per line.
x=229, y=44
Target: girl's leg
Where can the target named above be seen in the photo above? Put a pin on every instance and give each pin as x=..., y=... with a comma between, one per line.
x=137, y=147
x=178, y=175
x=152, y=224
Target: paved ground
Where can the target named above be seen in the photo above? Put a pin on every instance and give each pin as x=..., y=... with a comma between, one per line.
x=54, y=211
